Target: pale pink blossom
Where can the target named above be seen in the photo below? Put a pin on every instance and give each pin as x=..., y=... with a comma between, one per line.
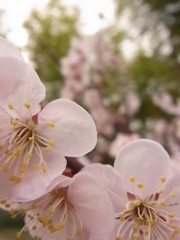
x=131, y=104
x=145, y=199
x=92, y=98
x=75, y=67
x=166, y=103
x=70, y=209
x=34, y=152
x=120, y=140
x=7, y=49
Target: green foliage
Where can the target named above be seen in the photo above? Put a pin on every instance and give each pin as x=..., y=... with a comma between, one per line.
x=50, y=33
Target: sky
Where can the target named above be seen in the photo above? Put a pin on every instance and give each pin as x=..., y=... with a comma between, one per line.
x=18, y=10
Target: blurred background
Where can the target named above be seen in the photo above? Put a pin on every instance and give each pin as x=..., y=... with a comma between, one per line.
x=119, y=59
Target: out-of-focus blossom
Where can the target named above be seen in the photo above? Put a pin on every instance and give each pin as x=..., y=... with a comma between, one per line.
x=71, y=209
x=120, y=140
x=146, y=200
x=9, y=50
x=32, y=153
x=165, y=102
x=92, y=98
x=131, y=105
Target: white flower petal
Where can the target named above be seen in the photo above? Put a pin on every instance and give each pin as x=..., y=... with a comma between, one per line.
x=112, y=181
x=7, y=49
x=147, y=161
x=35, y=182
x=20, y=84
x=74, y=133
x=91, y=203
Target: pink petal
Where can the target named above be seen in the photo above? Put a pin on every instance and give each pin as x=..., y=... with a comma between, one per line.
x=112, y=181
x=35, y=182
x=147, y=161
x=171, y=191
x=19, y=84
x=7, y=49
x=92, y=203
x=74, y=133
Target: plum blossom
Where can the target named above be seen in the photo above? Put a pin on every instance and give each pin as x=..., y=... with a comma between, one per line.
x=166, y=103
x=70, y=209
x=120, y=140
x=145, y=199
x=9, y=50
x=34, y=152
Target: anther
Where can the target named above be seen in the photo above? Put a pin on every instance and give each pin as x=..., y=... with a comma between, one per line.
x=79, y=231
x=27, y=105
x=35, y=166
x=44, y=169
x=10, y=106
x=140, y=185
x=173, y=194
x=171, y=215
x=32, y=138
x=167, y=223
x=51, y=210
x=18, y=151
x=48, y=148
x=132, y=178
x=137, y=203
x=2, y=201
x=51, y=142
x=163, y=179
x=29, y=154
x=163, y=203
x=161, y=191
x=14, y=122
x=136, y=236
x=52, y=124
x=18, y=235
x=118, y=238
x=122, y=218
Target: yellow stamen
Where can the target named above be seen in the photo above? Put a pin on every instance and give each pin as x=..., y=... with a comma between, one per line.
x=29, y=154
x=52, y=124
x=137, y=202
x=10, y=106
x=163, y=179
x=14, y=122
x=171, y=215
x=79, y=231
x=27, y=105
x=140, y=185
x=161, y=191
x=132, y=178
x=48, y=148
x=44, y=169
x=122, y=218
x=163, y=203
x=51, y=142
x=18, y=235
x=35, y=166
x=32, y=138
x=173, y=194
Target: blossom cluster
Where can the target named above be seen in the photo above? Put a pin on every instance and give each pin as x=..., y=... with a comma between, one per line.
x=94, y=76
x=137, y=199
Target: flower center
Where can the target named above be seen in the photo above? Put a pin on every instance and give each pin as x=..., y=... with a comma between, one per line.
x=53, y=212
x=20, y=142
x=149, y=218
